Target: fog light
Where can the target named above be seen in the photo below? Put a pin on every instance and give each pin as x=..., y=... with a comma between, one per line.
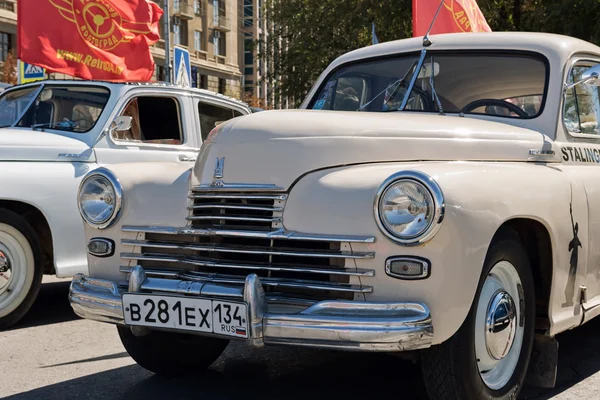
x=101, y=247
x=408, y=267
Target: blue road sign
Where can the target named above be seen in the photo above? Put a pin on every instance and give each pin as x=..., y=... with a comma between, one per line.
x=31, y=73
x=183, y=69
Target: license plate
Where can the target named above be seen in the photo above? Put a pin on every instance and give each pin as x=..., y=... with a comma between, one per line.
x=186, y=314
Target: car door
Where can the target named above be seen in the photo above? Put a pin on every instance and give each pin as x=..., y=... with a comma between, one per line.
x=162, y=129
x=581, y=161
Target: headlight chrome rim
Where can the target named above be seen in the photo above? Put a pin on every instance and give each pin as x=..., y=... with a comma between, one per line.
x=118, y=189
x=438, y=206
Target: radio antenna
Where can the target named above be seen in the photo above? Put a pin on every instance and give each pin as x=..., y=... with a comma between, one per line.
x=426, y=41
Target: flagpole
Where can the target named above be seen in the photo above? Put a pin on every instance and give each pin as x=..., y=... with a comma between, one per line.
x=167, y=31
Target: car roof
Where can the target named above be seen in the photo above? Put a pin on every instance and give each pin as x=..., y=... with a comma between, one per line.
x=553, y=46
x=112, y=85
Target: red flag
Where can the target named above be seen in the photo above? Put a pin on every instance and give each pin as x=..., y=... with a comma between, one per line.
x=455, y=16
x=90, y=39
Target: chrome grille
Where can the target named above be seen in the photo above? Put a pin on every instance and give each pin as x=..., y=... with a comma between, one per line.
x=231, y=235
x=236, y=211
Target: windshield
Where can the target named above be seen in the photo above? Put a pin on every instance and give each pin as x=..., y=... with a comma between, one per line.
x=505, y=85
x=66, y=108
x=14, y=103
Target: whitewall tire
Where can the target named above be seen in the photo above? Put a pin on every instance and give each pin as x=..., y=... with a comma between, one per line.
x=20, y=268
x=488, y=357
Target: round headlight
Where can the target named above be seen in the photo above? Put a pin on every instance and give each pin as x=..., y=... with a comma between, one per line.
x=409, y=207
x=100, y=198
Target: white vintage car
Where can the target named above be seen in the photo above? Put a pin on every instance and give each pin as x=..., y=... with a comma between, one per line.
x=52, y=134
x=438, y=197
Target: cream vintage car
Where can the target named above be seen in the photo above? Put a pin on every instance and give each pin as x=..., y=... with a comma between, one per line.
x=439, y=199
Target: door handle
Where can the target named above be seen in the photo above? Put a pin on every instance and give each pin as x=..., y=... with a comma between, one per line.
x=186, y=158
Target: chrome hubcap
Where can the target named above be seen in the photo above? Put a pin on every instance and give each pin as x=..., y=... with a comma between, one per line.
x=499, y=328
x=500, y=325
x=6, y=271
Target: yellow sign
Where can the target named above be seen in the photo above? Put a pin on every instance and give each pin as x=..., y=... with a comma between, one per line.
x=30, y=73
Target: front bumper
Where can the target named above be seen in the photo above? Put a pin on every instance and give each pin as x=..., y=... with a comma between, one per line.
x=349, y=325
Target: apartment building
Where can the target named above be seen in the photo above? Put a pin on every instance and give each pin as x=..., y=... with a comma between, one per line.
x=209, y=29
x=226, y=39
x=8, y=28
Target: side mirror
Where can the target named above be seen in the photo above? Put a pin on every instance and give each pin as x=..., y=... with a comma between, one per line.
x=122, y=123
x=591, y=75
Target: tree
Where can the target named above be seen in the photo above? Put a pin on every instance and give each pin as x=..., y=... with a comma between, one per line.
x=9, y=69
x=307, y=35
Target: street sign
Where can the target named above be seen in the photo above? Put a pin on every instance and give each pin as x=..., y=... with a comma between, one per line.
x=183, y=69
x=30, y=73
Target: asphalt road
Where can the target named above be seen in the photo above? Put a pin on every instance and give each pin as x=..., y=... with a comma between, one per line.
x=52, y=354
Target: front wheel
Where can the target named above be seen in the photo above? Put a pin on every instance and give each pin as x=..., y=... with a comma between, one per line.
x=489, y=355
x=20, y=268
x=172, y=354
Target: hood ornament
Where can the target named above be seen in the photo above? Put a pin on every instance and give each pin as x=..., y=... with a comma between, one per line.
x=219, y=168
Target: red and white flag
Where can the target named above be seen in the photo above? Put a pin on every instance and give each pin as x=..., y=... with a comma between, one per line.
x=455, y=16
x=90, y=39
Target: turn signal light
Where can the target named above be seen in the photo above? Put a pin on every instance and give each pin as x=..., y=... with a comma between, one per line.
x=411, y=268
x=101, y=247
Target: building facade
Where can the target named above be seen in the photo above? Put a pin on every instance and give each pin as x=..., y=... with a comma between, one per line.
x=209, y=29
x=227, y=41
x=8, y=29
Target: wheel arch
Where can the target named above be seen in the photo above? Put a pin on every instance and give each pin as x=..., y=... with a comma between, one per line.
x=537, y=241
x=38, y=221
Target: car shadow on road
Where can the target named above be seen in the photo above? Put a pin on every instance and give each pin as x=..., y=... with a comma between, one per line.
x=51, y=307
x=290, y=373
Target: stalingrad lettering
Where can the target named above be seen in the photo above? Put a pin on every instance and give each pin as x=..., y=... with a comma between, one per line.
x=581, y=154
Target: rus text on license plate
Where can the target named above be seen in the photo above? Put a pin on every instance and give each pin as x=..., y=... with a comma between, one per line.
x=186, y=313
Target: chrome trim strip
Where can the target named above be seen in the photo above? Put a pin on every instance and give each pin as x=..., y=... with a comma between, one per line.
x=230, y=207
x=237, y=196
x=278, y=234
x=220, y=185
x=239, y=250
x=116, y=184
x=227, y=218
x=367, y=273
x=192, y=276
x=438, y=200
x=352, y=325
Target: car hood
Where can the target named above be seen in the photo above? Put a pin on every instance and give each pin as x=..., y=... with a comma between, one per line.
x=29, y=145
x=278, y=147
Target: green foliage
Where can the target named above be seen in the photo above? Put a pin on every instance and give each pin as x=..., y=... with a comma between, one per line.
x=309, y=34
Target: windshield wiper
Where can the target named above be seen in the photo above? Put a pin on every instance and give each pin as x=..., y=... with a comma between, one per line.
x=434, y=94
x=398, y=82
x=62, y=124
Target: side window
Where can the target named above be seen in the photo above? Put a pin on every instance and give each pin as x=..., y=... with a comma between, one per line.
x=344, y=94
x=211, y=116
x=582, y=105
x=155, y=120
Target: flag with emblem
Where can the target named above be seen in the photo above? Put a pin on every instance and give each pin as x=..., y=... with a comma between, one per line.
x=90, y=39
x=454, y=16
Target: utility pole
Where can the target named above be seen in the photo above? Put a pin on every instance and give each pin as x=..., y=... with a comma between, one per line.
x=167, y=31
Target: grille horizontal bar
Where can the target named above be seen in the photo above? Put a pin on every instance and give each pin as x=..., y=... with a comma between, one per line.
x=270, y=282
x=225, y=218
x=253, y=267
x=238, y=196
x=242, y=250
x=236, y=207
x=239, y=233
